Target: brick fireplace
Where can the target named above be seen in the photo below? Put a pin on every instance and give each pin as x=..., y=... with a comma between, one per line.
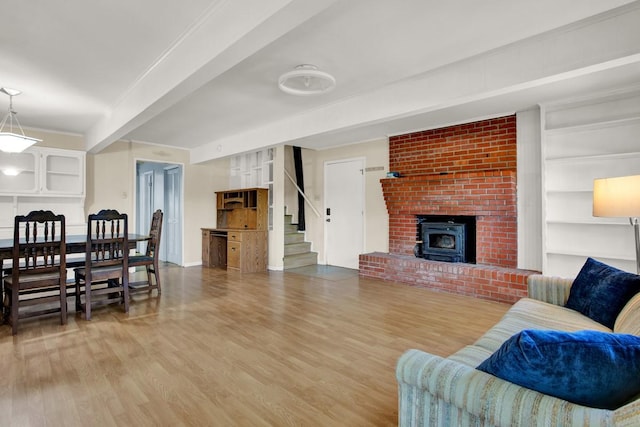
x=463, y=170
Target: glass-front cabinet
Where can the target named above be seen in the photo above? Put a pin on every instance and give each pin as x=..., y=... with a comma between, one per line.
x=45, y=171
x=62, y=172
x=42, y=178
x=19, y=172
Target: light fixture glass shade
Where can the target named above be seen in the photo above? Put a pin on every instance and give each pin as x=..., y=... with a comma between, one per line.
x=14, y=143
x=617, y=197
x=306, y=80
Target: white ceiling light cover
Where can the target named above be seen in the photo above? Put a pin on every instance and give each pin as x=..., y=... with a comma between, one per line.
x=306, y=80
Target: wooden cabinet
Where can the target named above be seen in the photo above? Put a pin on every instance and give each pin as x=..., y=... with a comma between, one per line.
x=247, y=250
x=245, y=209
x=239, y=242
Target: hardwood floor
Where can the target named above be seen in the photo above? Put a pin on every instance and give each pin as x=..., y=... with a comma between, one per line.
x=227, y=349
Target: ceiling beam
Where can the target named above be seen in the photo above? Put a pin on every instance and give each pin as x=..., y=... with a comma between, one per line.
x=229, y=32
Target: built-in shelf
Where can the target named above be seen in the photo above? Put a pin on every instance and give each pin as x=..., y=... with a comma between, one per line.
x=592, y=254
x=582, y=222
x=74, y=174
x=583, y=140
x=592, y=158
x=253, y=170
x=596, y=125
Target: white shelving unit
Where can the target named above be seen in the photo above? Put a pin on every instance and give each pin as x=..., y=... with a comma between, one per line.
x=48, y=178
x=254, y=170
x=582, y=140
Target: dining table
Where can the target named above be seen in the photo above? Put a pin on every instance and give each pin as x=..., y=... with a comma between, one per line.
x=76, y=244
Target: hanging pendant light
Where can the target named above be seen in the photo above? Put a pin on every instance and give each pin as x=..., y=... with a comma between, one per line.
x=11, y=142
x=305, y=80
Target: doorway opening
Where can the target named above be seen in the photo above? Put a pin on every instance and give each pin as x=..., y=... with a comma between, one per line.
x=160, y=186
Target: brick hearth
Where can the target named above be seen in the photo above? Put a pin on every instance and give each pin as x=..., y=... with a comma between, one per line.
x=480, y=281
x=467, y=169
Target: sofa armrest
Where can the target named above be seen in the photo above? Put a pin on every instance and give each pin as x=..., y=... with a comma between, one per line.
x=554, y=290
x=441, y=392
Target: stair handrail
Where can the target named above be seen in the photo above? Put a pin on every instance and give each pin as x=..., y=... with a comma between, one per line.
x=306, y=199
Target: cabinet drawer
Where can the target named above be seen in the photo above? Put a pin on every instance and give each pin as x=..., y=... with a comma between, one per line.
x=233, y=254
x=234, y=236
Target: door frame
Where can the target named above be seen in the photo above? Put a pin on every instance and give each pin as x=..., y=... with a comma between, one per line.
x=144, y=222
x=165, y=164
x=363, y=161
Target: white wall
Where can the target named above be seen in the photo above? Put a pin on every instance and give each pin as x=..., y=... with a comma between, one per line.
x=110, y=186
x=110, y=183
x=376, y=225
x=276, y=234
x=529, y=194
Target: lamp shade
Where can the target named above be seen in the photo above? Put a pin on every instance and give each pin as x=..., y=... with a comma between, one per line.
x=617, y=197
x=14, y=143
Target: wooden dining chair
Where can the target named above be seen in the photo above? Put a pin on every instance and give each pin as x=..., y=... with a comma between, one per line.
x=104, y=278
x=149, y=260
x=38, y=272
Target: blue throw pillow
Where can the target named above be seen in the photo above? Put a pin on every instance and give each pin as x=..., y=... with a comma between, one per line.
x=590, y=368
x=600, y=291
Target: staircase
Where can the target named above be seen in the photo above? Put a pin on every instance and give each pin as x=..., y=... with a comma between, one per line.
x=297, y=252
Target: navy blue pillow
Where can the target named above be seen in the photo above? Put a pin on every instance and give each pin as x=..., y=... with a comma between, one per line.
x=590, y=368
x=600, y=291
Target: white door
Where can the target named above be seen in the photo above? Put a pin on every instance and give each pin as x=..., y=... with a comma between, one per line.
x=344, y=212
x=146, y=205
x=171, y=231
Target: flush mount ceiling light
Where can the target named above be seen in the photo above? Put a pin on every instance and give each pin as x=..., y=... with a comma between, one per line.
x=12, y=142
x=306, y=80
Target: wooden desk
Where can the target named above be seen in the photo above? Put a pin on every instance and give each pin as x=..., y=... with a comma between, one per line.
x=241, y=250
x=75, y=244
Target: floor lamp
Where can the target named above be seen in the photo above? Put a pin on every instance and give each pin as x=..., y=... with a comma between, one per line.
x=619, y=197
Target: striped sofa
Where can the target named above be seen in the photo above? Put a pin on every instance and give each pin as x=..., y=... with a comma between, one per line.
x=436, y=391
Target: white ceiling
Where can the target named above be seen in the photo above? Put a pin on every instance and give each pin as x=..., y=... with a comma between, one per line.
x=202, y=75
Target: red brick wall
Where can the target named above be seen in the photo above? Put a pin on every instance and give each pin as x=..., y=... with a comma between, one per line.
x=467, y=169
x=479, y=146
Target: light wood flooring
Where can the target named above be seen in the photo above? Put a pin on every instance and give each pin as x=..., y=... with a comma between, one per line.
x=225, y=349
